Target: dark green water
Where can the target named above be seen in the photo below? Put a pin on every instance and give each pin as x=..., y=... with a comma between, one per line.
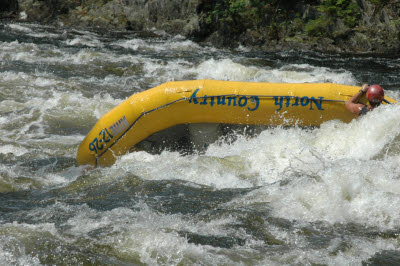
x=287, y=196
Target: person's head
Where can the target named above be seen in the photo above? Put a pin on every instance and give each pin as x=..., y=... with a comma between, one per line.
x=375, y=95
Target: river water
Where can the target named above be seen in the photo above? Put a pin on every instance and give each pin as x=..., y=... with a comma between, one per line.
x=287, y=196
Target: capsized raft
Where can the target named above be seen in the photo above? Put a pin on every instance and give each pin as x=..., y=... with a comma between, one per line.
x=211, y=101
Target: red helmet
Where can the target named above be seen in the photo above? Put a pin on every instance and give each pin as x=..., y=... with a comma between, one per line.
x=375, y=94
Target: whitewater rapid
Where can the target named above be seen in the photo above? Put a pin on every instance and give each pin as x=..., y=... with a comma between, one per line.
x=325, y=195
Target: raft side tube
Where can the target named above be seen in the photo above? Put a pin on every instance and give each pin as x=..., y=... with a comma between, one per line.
x=210, y=101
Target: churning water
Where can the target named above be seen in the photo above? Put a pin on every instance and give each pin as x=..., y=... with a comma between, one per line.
x=327, y=195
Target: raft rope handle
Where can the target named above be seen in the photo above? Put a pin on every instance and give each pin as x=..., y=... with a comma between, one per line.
x=188, y=98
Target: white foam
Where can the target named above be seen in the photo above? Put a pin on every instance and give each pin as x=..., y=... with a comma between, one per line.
x=359, y=251
x=209, y=171
x=133, y=44
x=23, y=15
x=28, y=119
x=91, y=42
x=332, y=173
x=362, y=138
x=14, y=237
x=227, y=69
x=18, y=151
x=18, y=27
x=32, y=53
x=12, y=252
x=145, y=234
x=174, y=45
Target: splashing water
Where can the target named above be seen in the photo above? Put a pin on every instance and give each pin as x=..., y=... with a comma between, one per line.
x=326, y=195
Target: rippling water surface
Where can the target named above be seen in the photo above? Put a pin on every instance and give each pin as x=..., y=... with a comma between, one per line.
x=288, y=196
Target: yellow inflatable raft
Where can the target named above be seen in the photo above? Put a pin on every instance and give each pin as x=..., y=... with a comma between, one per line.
x=210, y=101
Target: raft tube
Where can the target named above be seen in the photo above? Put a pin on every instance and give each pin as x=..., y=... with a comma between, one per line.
x=211, y=101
